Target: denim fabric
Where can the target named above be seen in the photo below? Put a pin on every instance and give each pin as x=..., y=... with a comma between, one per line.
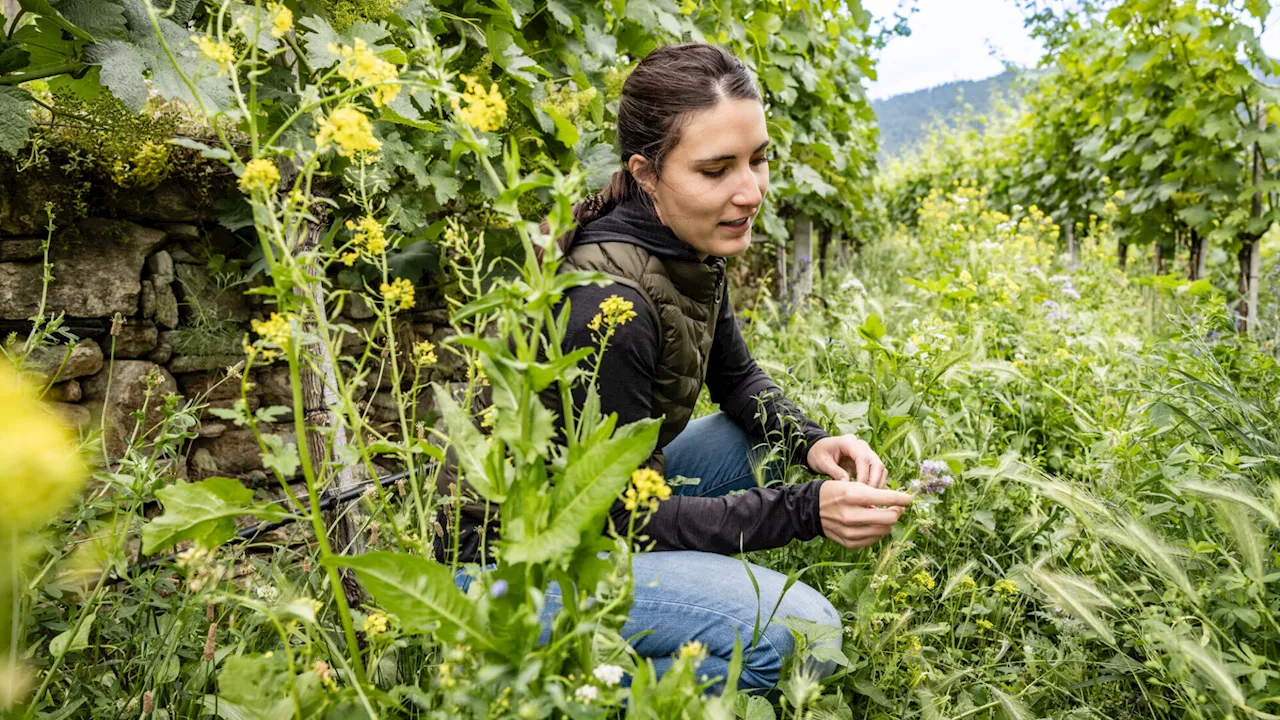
x=684, y=596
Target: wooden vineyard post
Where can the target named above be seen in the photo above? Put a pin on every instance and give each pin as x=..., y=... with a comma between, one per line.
x=802, y=256
x=1122, y=254
x=780, y=269
x=319, y=397
x=1199, y=252
x=1250, y=258
x=1073, y=247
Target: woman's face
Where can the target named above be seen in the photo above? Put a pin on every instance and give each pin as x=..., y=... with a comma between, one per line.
x=714, y=179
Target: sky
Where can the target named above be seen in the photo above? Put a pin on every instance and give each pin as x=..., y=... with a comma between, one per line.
x=966, y=40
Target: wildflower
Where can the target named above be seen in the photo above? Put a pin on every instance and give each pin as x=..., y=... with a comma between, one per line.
x=276, y=330
x=368, y=235
x=446, y=675
x=614, y=311
x=932, y=480
x=325, y=671
x=376, y=624
x=350, y=129
x=41, y=470
x=647, y=489
x=486, y=111
x=1119, y=194
x=985, y=625
x=608, y=674
x=923, y=580
x=193, y=558
x=362, y=66
x=967, y=583
x=424, y=353
x=260, y=174
x=281, y=20
x=693, y=650
x=853, y=284
x=217, y=51
x=398, y=292
x=1006, y=588
x=498, y=589
x=269, y=593
x=586, y=693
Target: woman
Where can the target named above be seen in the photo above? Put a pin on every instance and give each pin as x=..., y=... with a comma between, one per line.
x=693, y=141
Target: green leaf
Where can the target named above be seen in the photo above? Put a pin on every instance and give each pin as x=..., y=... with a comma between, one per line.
x=469, y=444
x=63, y=644
x=13, y=56
x=280, y=456
x=421, y=593
x=872, y=329
x=590, y=484
x=103, y=19
x=123, y=70
x=204, y=512
x=44, y=9
x=15, y=118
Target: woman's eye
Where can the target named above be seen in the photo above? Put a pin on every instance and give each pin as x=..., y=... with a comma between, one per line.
x=713, y=174
x=761, y=160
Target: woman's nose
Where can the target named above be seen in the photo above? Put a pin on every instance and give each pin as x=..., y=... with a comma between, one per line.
x=748, y=192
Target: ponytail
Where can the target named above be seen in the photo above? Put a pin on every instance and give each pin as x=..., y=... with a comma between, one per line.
x=621, y=187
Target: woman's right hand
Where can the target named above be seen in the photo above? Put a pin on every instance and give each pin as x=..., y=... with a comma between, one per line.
x=857, y=515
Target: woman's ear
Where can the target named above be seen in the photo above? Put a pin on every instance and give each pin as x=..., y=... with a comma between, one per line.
x=642, y=170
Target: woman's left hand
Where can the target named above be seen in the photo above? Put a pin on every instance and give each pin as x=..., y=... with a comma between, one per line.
x=845, y=457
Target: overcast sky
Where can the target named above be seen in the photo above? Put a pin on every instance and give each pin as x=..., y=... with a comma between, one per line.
x=966, y=40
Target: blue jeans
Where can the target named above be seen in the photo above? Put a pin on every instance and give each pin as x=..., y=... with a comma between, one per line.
x=686, y=595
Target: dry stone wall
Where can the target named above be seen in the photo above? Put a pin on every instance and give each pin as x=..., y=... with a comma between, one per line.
x=151, y=318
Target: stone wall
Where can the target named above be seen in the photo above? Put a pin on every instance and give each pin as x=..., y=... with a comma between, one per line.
x=151, y=276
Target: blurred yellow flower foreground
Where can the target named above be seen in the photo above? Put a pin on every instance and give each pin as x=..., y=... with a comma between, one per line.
x=40, y=471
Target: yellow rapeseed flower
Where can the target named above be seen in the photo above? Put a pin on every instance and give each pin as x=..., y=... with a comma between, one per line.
x=259, y=174
x=923, y=580
x=486, y=110
x=398, y=292
x=281, y=20
x=1006, y=588
x=376, y=624
x=614, y=311
x=424, y=353
x=647, y=489
x=368, y=235
x=362, y=66
x=350, y=130
x=217, y=51
x=40, y=470
x=693, y=650
x=967, y=583
x=275, y=330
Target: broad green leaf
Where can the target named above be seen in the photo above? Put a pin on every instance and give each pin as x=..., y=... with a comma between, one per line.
x=104, y=19
x=590, y=484
x=204, y=512
x=63, y=644
x=469, y=444
x=123, y=70
x=15, y=118
x=44, y=9
x=421, y=593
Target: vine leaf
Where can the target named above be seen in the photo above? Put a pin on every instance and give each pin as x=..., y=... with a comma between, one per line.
x=15, y=118
x=123, y=68
x=204, y=512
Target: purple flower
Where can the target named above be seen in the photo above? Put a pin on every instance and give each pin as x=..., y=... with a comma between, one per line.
x=498, y=589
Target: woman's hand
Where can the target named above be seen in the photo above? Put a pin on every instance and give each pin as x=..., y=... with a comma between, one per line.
x=850, y=515
x=845, y=457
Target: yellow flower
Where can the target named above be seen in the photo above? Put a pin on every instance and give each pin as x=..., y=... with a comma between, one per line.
x=1007, y=588
x=967, y=583
x=376, y=624
x=362, y=66
x=1119, y=194
x=648, y=488
x=368, y=235
x=275, y=330
x=923, y=580
x=325, y=672
x=260, y=174
x=693, y=650
x=486, y=110
x=350, y=129
x=281, y=20
x=398, y=292
x=424, y=353
x=614, y=311
x=985, y=625
x=40, y=470
x=217, y=51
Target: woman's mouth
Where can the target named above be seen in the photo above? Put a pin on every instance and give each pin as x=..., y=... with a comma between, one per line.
x=737, y=224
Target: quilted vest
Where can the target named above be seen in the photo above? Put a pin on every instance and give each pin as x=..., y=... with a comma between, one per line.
x=685, y=295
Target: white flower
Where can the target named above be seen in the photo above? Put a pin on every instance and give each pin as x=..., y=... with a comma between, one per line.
x=853, y=284
x=608, y=674
x=267, y=592
x=910, y=349
x=586, y=694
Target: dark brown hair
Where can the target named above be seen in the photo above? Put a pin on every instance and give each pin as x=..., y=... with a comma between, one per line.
x=665, y=88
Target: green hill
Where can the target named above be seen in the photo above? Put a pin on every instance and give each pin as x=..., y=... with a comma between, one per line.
x=905, y=118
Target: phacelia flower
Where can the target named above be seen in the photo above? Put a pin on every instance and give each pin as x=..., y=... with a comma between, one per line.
x=40, y=470
x=647, y=489
x=376, y=624
x=398, y=292
x=499, y=588
x=933, y=479
x=350, y=130
x=259, y=174
x=485, y=111
x=217, y=51
x=608, y=674
x=362, y=66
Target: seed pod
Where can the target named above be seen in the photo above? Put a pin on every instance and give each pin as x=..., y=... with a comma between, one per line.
x=210, y=643
x=148, y=704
